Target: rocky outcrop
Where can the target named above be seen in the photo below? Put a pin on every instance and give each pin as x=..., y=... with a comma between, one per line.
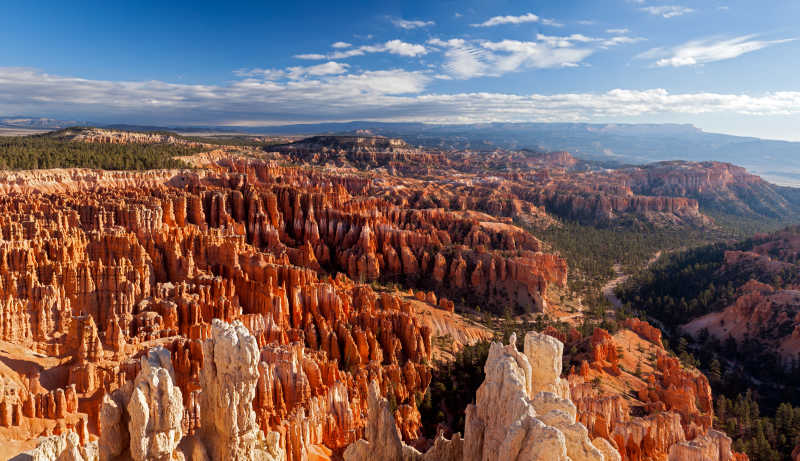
x=100, y=135
x=145, y=420
x=522, y=412
x=645, y=330
x=383, y=440
x=64, y=447
x=155, y=409
x=714, y=446
x=715, y=184
x=98, y=267
x=664, y=409
x=228, y=379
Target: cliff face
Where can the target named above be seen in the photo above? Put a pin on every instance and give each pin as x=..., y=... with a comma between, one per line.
x=762, y=312
x=101, y=135
x=523, y=184
x=717, y=185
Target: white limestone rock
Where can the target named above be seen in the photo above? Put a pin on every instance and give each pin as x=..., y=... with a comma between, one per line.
x=545, y=402
x=383, y=440
x=714, y=446
x=544, y=354
x=155, y=409
x=229, y=376
x=64, y=447
x=114, y=435
x=522, y=412
x=609, y=452
x=579, y=447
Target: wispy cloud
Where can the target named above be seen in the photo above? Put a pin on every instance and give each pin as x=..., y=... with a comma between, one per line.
x=341, y=45
x=408, y=25
x=474, y=58
x=393, y=94
x=618, y=31
x=296, y=72
x=704, y=51
x=551, y=23
x=522, y=19
x=397, y=47
x=667, y=11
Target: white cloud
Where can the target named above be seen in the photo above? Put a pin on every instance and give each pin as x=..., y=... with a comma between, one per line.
x=408, y=25
x=329, y=68
x=618, y=31
x=697, y=52
x=397, y=47
x=404, y=49
x=341, y=45
x=667, y=11
x=296, y=72
x=464, y=60
x=470, y=58
x=310, y=56
x=393, y=94
x=497, y=20
x=512, y=55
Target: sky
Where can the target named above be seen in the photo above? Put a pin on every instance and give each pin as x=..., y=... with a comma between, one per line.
x=728, y=66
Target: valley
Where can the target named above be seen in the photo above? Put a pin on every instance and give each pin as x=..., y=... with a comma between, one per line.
x=361, y=297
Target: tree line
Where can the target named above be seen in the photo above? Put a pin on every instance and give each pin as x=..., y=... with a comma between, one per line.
x=44, y=151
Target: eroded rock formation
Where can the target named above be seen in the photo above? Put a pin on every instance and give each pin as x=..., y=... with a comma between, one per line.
x=155, y=409
x=312, y=268
x=523, y=411
x=228, y=379
x=671, y=414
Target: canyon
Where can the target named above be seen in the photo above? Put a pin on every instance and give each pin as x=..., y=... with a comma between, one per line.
x=289, y=304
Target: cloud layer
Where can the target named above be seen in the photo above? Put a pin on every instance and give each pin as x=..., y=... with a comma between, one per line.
x=392, y=95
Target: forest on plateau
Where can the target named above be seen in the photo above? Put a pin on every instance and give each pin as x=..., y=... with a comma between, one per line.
x=46, y=151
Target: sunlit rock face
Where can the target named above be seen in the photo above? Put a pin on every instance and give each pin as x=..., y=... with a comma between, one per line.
x=97, y=268
x=294, y=292
x=665, y=411
x=522, y=412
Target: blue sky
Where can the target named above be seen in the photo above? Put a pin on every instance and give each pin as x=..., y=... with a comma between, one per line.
x=726, y=66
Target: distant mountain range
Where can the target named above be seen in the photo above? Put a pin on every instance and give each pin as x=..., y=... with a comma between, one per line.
x=776, y=161
x=36, y=123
